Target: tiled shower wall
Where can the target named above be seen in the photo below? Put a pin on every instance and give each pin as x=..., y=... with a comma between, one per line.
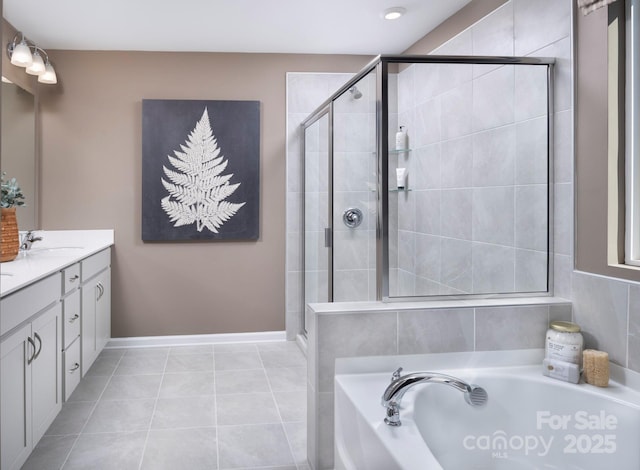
x=474, y=219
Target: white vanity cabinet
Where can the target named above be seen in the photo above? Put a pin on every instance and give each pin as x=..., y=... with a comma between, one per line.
x=42, y=332
x=96, y=306
x=71, y=321
x=30, y=368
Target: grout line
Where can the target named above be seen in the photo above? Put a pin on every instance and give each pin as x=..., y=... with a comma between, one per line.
x=215, y=406
x=273, y=397
x=474, y=330
x=627, y=335
x=155, y=404
x=93, y=409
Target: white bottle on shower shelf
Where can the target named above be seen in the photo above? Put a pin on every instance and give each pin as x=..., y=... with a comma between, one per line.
x=401, y=178
x=402, y=139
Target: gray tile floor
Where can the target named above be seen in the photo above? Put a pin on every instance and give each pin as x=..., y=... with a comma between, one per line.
x=222, y=406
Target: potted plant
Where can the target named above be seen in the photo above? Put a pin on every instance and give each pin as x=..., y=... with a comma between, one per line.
x=9, y=238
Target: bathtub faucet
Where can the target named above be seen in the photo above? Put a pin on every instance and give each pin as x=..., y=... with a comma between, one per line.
x=392, y=396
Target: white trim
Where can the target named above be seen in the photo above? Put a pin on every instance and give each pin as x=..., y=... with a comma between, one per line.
x=190, y=340
x=632, y=222
x=301, y=341
x=609, y=278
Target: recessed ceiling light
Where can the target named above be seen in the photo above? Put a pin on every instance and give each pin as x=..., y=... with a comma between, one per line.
x=393, y=13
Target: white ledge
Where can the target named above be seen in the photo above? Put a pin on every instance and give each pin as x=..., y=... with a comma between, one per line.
x=356, y=307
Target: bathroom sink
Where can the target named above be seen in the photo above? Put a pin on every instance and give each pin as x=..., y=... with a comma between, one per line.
x=54, y=250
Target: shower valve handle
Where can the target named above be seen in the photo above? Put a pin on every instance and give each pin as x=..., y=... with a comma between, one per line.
x=352, y=217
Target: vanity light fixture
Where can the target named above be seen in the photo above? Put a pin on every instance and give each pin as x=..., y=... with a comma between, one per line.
x=27, y=54
x=393, y=13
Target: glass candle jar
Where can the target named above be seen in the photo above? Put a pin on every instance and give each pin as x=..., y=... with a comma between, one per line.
x=564, y=342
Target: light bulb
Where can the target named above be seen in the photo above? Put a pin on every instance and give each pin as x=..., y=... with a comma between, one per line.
x=393, y=13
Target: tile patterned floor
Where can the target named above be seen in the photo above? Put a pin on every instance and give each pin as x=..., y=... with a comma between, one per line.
x=223, y=406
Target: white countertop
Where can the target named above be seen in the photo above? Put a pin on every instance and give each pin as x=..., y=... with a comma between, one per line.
x=57, y=250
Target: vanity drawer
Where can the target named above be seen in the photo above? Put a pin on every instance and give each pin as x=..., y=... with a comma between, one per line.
x=23, y=304
x=94, y=264
x=71, y=318
x=70, y=278
x=72, y=373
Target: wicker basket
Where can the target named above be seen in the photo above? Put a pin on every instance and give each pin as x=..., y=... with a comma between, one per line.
x=9, y=238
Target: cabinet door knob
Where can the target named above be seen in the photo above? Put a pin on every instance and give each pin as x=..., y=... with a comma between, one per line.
x=74, y=318
x=74, y=278
x=75, y=367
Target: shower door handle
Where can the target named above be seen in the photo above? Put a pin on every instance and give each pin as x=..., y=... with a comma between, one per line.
x=327, y=238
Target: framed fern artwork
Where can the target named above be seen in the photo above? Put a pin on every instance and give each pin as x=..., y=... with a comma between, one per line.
x=200, y=170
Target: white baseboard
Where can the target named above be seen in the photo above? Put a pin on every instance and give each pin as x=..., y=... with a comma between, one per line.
x=190, y=340
x=301, y=341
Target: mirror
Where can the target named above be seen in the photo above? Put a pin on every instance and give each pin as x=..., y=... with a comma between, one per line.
x=18, y=150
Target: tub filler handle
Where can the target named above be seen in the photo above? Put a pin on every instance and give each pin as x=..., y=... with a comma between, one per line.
x=397, y=374
x=392, y=396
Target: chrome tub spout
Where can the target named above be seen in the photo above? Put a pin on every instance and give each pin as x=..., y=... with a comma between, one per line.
x=392, y=396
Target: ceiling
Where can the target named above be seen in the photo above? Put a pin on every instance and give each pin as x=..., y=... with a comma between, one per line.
x=266, y=26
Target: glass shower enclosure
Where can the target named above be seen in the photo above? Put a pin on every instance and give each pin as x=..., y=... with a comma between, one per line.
x=461, y=207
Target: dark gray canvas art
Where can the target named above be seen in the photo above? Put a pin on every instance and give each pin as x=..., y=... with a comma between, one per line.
x=200, y=170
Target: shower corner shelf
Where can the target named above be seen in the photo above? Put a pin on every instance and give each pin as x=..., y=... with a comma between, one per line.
x=399, y=190
x=396, y=151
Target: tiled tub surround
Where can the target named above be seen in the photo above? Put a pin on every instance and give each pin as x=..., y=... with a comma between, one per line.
x=608, y=311
x=356, y=329
x=223, y=406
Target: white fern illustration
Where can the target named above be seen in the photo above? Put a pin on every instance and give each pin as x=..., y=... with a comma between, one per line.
x=197, y=189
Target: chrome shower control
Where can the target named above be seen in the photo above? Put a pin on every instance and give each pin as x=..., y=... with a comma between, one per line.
x=352, y=217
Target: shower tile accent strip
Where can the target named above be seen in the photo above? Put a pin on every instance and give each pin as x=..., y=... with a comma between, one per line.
x=341, y=330
x=222, y=406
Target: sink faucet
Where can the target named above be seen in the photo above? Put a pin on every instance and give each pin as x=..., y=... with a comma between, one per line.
x=392, y=396
x=28, y=240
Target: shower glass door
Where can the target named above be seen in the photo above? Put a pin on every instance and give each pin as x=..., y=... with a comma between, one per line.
x=317, y=238
x=354, y=192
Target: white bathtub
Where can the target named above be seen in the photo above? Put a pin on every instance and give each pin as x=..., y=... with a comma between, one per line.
x=530, y=421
